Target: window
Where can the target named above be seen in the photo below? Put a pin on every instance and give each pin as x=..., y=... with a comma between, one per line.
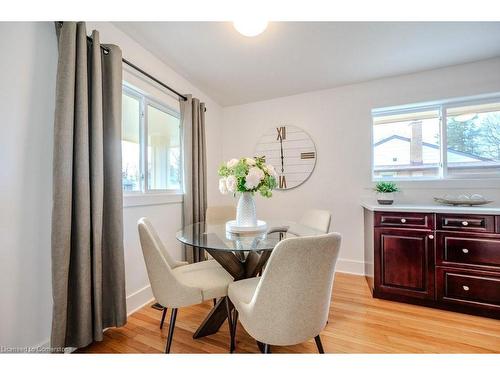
x=473, y=137
x=407, y=144
x=151, y=145
x=410, y=143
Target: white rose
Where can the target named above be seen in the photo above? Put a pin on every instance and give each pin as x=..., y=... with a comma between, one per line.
x=231, y=183
x=250, y=161
x=255, y=175
x=251, y=181
x=259, y=172
x=223, y=185
x=232, y=163
x=271, y=171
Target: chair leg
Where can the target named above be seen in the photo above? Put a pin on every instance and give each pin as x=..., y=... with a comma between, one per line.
x=230, y=322
x=233, y=333
x=215, y=301
x=171, y=327
x=163, y=317
x=319, y=345
x=267, y=349
x=261, y=346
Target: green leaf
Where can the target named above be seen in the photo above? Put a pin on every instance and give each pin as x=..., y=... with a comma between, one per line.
x=386, y=187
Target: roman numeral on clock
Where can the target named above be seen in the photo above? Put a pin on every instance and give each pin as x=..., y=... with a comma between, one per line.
x=281, y=133
x=282, y=182
x=307, y=155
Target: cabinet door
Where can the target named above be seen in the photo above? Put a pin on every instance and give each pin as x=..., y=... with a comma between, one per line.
x=404, y=263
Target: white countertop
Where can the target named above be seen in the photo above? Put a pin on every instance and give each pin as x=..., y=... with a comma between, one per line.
x=487, y=209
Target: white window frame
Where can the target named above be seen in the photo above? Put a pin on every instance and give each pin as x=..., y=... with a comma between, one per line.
x=442, y=107
x=147, y=196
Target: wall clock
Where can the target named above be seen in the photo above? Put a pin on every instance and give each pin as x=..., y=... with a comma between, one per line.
x=291, y=152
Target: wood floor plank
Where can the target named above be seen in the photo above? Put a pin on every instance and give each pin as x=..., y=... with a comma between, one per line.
x=358, y=323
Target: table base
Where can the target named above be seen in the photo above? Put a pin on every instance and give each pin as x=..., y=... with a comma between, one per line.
x=239, y=269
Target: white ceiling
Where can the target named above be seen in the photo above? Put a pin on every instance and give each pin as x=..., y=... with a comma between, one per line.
x=294, y=57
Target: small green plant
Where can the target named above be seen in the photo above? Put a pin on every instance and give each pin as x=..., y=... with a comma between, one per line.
x=386, y=187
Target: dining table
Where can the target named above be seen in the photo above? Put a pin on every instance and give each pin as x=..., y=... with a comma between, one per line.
x=243, y=255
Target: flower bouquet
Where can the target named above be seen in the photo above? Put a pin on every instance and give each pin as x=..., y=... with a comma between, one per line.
x=247, y=176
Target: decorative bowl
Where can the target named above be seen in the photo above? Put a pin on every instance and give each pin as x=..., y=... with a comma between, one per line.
x=463, y=200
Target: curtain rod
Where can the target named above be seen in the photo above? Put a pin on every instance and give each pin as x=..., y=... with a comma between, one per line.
x=106, y=51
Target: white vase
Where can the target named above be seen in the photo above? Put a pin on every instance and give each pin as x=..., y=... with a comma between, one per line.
x=246, y=214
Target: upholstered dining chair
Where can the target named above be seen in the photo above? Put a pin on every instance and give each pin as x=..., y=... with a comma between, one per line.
x=317, y=219
x=178, y=284
x=220, y=214
x=290, y=303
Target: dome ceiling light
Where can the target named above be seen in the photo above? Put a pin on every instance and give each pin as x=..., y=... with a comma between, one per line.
x=249, y=27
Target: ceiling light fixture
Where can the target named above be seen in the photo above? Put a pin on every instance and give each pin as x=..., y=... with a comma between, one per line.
x=249, y=27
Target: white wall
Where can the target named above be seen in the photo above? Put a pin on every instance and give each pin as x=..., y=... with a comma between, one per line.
x=27, y=91
x=339, y=122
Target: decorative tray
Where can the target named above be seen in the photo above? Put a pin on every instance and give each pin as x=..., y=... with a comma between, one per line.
x=232, y=227
x=463, y=200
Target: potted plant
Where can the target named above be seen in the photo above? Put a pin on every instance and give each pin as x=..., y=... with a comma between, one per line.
x=385, y=192
x=247, y=176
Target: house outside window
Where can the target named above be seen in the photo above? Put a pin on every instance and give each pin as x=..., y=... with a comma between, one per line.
x=448, y=140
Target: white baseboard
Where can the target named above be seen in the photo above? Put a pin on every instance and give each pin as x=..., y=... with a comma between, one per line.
x=355, y=267
x=135, y=301
x=139, y=299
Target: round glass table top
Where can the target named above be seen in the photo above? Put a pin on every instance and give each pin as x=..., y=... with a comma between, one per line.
x=215, y=237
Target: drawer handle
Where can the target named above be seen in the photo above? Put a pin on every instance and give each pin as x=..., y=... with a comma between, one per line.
x=465, y=223
x=465, y=251
x=431, y=236
x=465, y=287
x=403, y=220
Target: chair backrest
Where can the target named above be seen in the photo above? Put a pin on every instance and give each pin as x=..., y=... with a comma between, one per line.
x=167, y=289
x=292, y=300
x=156, y=238
x=317, y=219
x=220, y=214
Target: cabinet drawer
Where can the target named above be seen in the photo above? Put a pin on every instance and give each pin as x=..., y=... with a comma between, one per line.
x=468, y=223
x=468, y=249
x=404, y=220
x=468, y=288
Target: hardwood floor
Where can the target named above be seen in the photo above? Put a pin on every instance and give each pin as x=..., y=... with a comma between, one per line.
x=358, y=323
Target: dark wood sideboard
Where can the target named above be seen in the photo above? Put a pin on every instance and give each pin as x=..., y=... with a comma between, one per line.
x=443, y=260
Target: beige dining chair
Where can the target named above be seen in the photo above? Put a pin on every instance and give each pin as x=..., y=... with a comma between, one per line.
x=178, y=284
x=290, y=303
x=317, y=219
x=220, y=214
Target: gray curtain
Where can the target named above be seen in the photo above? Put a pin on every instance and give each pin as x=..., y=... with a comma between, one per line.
x=195, y=166
x=88, y=275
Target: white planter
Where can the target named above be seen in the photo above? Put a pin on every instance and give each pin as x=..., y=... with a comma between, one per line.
x=385, y=198
x=246, y=213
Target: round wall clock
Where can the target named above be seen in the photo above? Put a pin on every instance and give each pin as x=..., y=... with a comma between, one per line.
x=291, y=152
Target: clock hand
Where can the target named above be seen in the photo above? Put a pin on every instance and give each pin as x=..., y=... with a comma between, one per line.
x=281, y=150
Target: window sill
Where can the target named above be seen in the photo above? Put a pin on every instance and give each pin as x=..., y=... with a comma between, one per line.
x=135, y=200
x=448, y=183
